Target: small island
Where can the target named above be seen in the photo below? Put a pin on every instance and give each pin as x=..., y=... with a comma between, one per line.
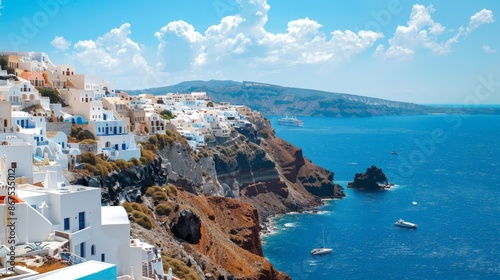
x=372, y=179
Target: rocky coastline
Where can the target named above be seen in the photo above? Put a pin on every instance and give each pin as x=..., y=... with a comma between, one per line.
x=243, y=180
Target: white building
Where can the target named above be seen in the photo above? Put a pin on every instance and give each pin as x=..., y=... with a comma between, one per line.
x=71, y=219
x=155, y=124
x=32, y=61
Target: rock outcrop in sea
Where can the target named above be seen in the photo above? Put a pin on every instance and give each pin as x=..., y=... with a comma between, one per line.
x=372, y=179
x=224, y=193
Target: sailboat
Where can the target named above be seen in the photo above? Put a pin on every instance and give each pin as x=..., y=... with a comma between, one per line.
x=395, y=151
x=322, y=250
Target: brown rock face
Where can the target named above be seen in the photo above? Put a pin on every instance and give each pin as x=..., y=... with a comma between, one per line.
x=230, y=244
x=270, y=173
x=215, y=235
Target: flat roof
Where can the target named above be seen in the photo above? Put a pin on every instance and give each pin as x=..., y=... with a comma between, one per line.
x=114, y=215
x=78, y=271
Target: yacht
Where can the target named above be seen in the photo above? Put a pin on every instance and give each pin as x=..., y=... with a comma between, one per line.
x=322, y=250
x=402, y=223
x=290, y=121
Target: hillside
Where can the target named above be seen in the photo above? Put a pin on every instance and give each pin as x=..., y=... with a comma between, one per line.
x=277, y=100
x=205, y=210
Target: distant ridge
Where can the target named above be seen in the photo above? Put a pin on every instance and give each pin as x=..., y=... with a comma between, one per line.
x=272, y=99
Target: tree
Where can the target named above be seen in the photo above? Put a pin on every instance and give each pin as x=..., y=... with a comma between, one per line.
x=210, y=104
x=52, y=94
x=166, y=114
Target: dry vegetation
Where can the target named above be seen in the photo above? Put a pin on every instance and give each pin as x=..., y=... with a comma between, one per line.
x=139, y=213
x=179, y=268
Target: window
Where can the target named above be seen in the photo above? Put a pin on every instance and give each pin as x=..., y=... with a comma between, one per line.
x=66, y=223
x=92, y=250
x=103, y=257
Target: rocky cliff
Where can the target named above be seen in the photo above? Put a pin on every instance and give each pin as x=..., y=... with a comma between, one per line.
x=270, y=173
x=211, y=222
x=372, y=179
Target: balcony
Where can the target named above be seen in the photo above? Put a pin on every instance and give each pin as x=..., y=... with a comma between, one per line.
x=80, y=236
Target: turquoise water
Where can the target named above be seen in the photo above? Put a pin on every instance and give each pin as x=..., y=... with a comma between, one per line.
x=449, y=165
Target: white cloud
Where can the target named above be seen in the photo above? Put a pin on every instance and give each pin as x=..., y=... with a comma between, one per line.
x=60, y=43
x=242, y=39
x=113, y=55
x=482, y=17
x=422, y=31
x=488, y=49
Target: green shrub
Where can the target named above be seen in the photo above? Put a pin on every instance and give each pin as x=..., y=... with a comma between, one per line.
x=122, y=164
x=131, y=206
x=163, y=209
x=144, y=221
x=166, y=114
x=90, y=168
x=137, y=212
x=88, y=141
x=171, y=189
x=88, y=157
x=179, y=268
x=146, y=155
x=52, y=94
x=151, y=190
x=159, y=195
x=135, y=161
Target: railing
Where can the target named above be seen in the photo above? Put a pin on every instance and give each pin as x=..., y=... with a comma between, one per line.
x=6, y=129
x=71, y=258
x=42, y=143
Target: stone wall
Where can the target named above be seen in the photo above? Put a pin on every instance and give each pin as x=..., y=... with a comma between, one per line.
x=59, y=126
x=88, y=148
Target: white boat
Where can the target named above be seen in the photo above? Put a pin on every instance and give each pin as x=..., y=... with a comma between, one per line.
x=322, y=250
x=290, y=121
x=402, y=223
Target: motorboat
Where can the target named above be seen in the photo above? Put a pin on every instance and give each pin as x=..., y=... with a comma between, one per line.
x=404, y=224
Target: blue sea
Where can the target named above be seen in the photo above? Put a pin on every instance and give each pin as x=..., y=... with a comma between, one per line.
x=448, y=164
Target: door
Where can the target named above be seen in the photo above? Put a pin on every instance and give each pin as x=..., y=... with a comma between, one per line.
x=81, y=220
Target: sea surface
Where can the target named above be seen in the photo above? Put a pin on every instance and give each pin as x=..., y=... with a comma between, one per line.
x=447, y=173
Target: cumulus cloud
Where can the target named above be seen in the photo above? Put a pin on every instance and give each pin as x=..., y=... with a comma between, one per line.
x=60, y=43
x=118, y=58
x=243, y=39
x=422, y=31
x=488, y=49
x=114, y=52
x=482, y=17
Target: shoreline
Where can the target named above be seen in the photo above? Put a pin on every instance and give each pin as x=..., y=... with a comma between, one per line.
x=269, y=226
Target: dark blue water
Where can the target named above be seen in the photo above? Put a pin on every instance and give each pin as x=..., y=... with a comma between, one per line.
x=449, y=165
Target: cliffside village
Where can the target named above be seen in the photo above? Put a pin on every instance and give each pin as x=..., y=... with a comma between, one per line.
x=44, y=215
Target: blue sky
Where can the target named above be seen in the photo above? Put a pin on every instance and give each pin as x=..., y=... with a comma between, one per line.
x=422, y=52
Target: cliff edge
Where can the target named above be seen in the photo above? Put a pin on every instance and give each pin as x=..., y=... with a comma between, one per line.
x=205, y=209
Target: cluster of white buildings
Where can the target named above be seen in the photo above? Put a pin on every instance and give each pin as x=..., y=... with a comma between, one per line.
x=52, y=217
x=193, y=118
x=43, y=215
